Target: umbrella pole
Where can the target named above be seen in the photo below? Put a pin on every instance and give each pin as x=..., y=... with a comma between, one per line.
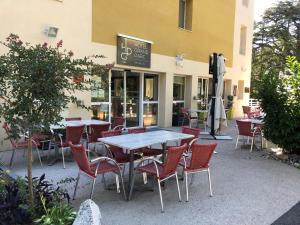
x=213, y=100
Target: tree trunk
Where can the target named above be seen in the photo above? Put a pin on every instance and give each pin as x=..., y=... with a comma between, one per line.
x=29, y=171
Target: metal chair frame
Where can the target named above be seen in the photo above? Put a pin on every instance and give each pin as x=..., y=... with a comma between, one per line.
x=159, y=181
x=255, y=132
x=99, y=160
x=193, y=172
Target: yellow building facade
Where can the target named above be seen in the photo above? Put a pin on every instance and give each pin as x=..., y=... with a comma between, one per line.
x=173, y=40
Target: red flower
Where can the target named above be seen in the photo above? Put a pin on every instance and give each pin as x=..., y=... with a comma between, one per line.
x=59, y=44
x=70, y=53
x=45, y=45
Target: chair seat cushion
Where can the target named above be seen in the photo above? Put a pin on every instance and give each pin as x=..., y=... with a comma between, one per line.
x=104, y=167
x=188, y=163
x=151, y=169
x=150, y=151
x=121, y=157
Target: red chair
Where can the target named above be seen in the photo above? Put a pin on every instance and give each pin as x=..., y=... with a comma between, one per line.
x=162, y=171
x=96, y=132
x=73, y=134
x=198, y=162
x=246, y=110
x=115, y=152
x=19, y=144
x=73, y=118
x=193, y=131
x=148, y=152
x=118, y=123
x=245, y=129
x=92, y=169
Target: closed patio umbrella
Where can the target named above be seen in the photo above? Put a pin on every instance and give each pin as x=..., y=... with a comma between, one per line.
x=220, y=120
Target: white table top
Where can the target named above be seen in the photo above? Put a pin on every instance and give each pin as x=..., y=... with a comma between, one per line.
x=135, y=141
x=199, y=110
x=63, y=124
x=254, y=121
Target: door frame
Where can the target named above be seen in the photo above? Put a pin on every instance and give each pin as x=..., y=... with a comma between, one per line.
x=141, y=95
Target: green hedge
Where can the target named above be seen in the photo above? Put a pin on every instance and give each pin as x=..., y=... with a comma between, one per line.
x=280, y=100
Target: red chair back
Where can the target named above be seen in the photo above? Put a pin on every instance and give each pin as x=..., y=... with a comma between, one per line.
x=246, y=109
x=192, y=131
x=7, y=131
x=118, y=121
x=201, y=155
x=96, y=131
x=79, y=155
x=184, y=110
x=114, y=149
x=137, y=130
x=244, y=128
x=72, y=118
x=111, y=133
x=172, y=159
x=74, y=133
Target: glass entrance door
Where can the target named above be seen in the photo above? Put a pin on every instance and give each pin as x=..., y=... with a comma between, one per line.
x=125, y=97
x=132, y=91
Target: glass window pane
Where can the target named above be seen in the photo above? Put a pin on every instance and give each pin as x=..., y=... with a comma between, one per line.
x=150, y=114
x=182, y=13
x=99, y=89
x=178, y=88
x=150, y=87
x=100, y=112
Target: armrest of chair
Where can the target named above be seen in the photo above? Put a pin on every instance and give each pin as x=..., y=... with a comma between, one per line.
x=119, y=127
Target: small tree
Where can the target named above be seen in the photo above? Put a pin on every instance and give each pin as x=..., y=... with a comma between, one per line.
x=37, y=82
x=280, y=100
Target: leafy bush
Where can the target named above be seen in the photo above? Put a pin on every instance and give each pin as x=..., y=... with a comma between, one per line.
x=59, y=214
x=280, y=100
x=50, y=200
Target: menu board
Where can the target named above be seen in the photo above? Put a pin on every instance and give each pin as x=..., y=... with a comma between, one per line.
x=133, y=52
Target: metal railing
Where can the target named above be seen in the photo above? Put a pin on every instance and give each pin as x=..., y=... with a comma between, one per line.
x=254, y=102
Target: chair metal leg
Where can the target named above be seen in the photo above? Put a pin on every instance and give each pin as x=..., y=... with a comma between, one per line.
x=76, y=185
x=93, y=185
x=124, y=168
x=12, y=158
x=186, y=187
x=131, y=185
x=178, y=189
x=252, y=143
x=38, y=152
x=118, y=183
x=63, y=157
x=123, y=187
x=103, y=180
x=209, y=181
x=160, y=196
x=237, y=140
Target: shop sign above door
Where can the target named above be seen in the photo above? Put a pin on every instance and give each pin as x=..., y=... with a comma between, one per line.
x=133, y=51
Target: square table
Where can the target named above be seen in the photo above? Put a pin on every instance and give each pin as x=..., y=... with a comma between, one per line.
x=63, y=124
x=131, y=142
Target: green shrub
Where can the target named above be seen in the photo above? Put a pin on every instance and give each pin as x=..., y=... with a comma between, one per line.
x=280, y=100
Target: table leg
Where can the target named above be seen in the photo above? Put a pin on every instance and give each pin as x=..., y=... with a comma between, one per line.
x=131, y=171
x=164, y=148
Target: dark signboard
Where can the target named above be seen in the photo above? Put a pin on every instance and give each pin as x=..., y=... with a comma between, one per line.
x=133, y=52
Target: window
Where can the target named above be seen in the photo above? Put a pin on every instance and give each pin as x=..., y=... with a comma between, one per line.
x=178, y=88
x=99, y=97
x=243, y=40
x=185, y=14
x=240, y=94
x=245, y=3
x=202, y=98
x=150, y=116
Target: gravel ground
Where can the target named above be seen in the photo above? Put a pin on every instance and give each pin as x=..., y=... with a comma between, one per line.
x=248, y=189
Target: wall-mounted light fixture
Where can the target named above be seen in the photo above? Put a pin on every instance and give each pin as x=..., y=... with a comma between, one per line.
x=50, y=31
x=179, y=60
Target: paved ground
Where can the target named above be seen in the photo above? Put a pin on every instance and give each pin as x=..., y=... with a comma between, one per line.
x=248, y=189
